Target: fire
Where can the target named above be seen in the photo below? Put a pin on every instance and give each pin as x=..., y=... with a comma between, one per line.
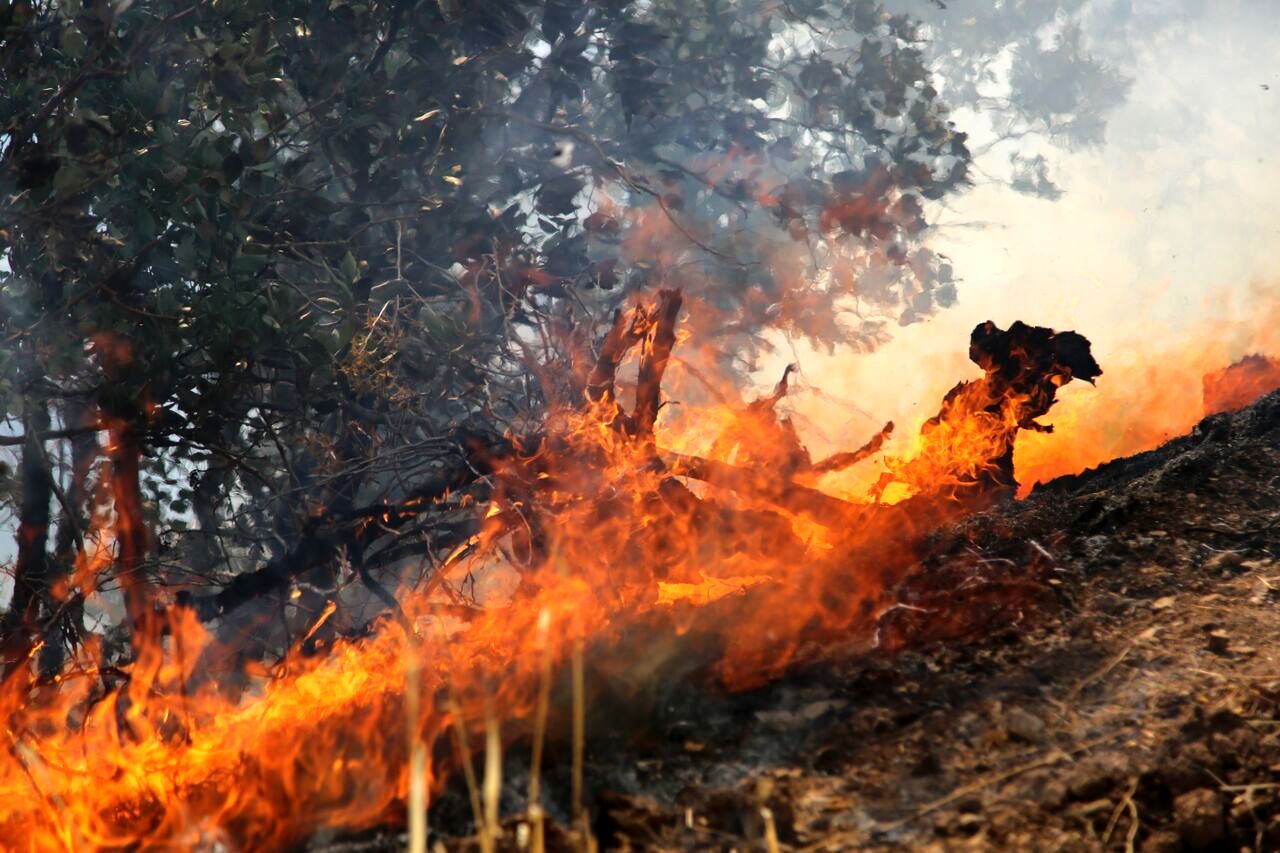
x=613, y=511
x=1152, y=394
x=1239, y=384
x=707, y=590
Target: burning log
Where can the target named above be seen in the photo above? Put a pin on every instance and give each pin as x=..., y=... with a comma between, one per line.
x=761, y=438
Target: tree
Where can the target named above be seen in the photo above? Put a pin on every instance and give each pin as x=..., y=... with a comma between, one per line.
x=1027, y=67
x=297, y=260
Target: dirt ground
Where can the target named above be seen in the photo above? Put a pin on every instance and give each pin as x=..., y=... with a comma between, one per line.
x=1124, y=693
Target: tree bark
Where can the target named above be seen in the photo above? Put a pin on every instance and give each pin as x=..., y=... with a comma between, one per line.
x=68, y=625
x=659, y=341
x=30, y=581
x=125, y=453
x=626, y=331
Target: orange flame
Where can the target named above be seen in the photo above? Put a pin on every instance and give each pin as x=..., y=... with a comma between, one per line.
x=183, y=749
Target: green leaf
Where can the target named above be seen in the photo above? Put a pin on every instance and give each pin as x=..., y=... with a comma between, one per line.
x=185, y=253
x=145, y=226
x=68, y=179
x=249, y=264
x=71, y=41
x=350, y=269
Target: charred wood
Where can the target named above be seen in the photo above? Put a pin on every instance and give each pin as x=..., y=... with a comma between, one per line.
x=627, y=331
x=659, y=341
x=787, y=494
x=330, y=530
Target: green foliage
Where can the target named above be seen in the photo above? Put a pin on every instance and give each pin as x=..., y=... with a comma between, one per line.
x=323, y=233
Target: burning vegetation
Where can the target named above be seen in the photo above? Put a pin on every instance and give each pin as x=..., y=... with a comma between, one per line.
x=583, y=534
x=372, y=376
x=583, y=530
x=1239, y=384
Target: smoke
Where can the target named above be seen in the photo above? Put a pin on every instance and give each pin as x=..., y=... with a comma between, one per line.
x=1159, y=248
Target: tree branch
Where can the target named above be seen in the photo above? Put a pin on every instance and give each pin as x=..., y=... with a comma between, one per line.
x=49, y=435
x=821, y=507
x=626, y=332
x=838, y=461
x=658, y=342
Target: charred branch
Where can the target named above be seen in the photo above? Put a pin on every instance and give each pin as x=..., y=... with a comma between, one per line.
x=329, y=531
x=840, y=461
x=627, y=331
x=659, y=340
x=779, y=391
x=819, y=506
x=125, y=453
x=49, y=435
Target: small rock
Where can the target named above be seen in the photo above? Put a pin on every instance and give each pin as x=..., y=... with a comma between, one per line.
x=1224, y=561
x=1094, y=777
x=1189, y=768
x=1024, y=725
x=1004, y=821
x=1218, y=641
x=1162, y=842
x=784, y=719
x=1095, y=546
x=1198, y=817
x=1163, y=603
x=1052, y=795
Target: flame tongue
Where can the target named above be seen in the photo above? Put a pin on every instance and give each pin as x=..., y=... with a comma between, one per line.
x=603, y=517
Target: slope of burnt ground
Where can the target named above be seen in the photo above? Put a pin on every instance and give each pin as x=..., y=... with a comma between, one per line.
x=1093, y=668
x=1131, y=700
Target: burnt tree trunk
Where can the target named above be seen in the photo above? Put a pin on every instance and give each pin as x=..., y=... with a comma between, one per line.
x=30, y=576
x=66, y=625
x=656, y=350
x=131, y=530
